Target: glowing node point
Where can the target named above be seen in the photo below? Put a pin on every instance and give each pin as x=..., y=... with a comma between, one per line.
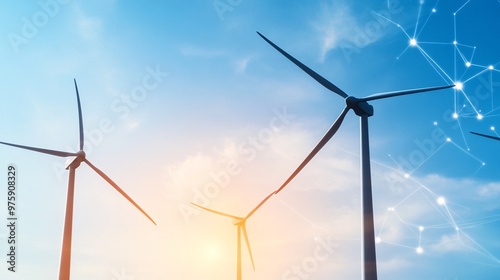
x=441, y=201
x=378, y=240
x=459, y=86
x=421, y=2
x=455, y=115
x=407, y=175
x=413, y=42
x=483, y=163
x=455, y=42
x=490, y=67
x=479, y=116
x=448, y=139
x=390, y=209
x=420, y=250
x=467, y=64
x=492, y=128
x=421, y=228
x=435, y=123
x=433, y=10
x=457, y=229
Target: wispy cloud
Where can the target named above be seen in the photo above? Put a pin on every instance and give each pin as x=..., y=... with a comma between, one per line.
x=334, y=26
x=240, y=65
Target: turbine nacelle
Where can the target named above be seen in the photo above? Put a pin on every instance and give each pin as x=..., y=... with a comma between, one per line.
x=239, y=221
x=75, y=162
x=359, y=106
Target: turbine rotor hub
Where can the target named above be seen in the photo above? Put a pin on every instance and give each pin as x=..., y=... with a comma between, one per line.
x=81, y=155
x=359, y=106
x=238, y=221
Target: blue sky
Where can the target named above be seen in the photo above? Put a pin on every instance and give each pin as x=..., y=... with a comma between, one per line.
x=184, y=102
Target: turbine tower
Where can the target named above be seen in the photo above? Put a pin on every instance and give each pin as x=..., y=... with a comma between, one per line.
x=364, y=110
x=239, y=222
x=79, y=157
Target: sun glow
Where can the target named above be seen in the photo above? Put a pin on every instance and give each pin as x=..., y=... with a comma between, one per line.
x=212, y=252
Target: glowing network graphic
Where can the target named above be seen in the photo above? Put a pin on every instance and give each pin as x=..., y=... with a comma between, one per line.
x=450, y=224
x=438, y=224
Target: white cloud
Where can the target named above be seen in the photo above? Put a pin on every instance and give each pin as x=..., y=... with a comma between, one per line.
x=240, y=65
x=334, y=26
x=490, y=189
x=89, y=28
x=449, y=243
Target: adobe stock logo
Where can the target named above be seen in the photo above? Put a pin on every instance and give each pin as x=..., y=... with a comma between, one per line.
x=310, y=264
x=31, y=26
x=224, y=6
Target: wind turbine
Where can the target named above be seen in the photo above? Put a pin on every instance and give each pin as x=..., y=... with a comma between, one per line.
x=364, y=110
x=64, y=268
x=487, y=136
x=239, y=222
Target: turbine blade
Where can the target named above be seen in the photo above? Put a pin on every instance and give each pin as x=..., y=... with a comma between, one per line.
x=217, y=212
x=403, y=92
x=259, y=205
x=80, y=119
x=114, y=185
x=243, y=227
x=308, y=70
x=43, y=151
x=329, y=134
x=487, y=136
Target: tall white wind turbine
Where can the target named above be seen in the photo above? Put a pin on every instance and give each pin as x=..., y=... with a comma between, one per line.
x=239, y=222
x=364, y=110
x=79, y=157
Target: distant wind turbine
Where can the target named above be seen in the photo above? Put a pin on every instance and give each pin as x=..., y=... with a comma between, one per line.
x=64, y=268
x=364, y=110
x=487, y=136
x=239, y=222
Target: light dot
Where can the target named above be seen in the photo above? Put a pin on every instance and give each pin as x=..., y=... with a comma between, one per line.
x=490, y=67
x=467, y=64
x=421, y=228
x=492, y=128
x=483, y=164
x=479, y=116
x=420, y=250
x=433, y=10
x=457, y=229
x=435, y=123
x=459, y=86
x=378, y=240
x=448, y=139
x=455, y=115
x=407, y=175
x=454, y=42
x=413, y=42
x=441, y=201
